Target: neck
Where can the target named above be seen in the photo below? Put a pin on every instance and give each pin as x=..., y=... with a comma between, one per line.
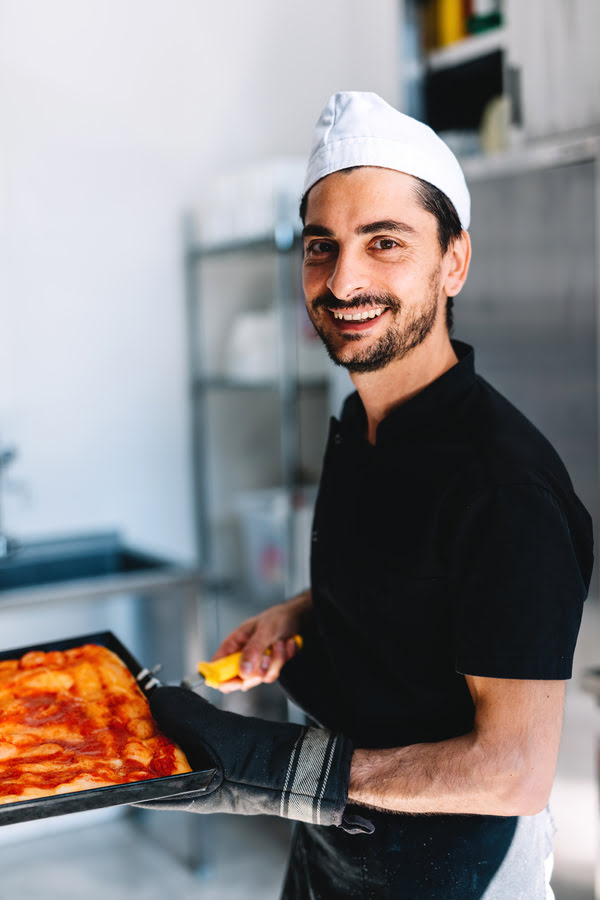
x=401, y=379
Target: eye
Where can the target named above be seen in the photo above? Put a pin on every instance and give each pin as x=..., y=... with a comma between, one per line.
x=385, y=244
x=320, y=248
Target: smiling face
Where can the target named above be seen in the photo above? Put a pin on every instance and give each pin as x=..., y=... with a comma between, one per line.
x=374, y=276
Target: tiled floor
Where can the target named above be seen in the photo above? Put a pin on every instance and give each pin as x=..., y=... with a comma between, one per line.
x=111, y=862
x=103, y=856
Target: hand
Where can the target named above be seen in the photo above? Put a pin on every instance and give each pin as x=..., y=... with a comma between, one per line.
x=271, y=630
x=261, y=768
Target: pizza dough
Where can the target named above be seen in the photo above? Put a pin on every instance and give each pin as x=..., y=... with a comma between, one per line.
x=73, y=720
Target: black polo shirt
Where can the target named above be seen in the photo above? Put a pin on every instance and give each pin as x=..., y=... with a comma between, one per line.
x=456, y=545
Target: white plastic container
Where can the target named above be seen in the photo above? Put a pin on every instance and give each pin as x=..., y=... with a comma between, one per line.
x=264, y=517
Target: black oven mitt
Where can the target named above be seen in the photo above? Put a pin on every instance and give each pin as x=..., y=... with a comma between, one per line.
x=262, y=767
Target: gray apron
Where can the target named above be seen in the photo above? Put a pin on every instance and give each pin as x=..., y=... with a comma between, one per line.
x=424, y=858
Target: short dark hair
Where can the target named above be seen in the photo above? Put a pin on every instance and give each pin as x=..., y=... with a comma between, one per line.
x=448, y=227
x=439, y=205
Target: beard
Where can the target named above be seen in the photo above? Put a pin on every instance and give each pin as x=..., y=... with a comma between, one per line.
x=402, y=335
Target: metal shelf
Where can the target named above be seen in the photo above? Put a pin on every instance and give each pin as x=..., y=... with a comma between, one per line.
x=467, y=50
x=282, y=244
x=224, y=383
x=281, y=240
x=544, y=154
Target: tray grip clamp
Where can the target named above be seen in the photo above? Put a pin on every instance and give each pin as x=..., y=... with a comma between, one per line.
x=146, y=680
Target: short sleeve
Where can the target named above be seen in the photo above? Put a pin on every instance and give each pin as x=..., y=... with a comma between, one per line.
x=517, y=586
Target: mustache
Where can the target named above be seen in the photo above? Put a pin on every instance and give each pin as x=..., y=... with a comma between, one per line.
x=362, y=301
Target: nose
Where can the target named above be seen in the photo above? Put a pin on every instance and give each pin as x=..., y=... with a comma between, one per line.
x=349, y=276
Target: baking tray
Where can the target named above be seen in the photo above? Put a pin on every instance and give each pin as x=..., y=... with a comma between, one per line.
x=192, y=783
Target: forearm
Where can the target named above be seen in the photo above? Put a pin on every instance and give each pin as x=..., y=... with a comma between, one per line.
x=460, y=775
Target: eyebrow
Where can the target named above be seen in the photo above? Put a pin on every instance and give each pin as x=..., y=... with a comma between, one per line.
x=386, y=225
x=369, y=228
x=316, y=231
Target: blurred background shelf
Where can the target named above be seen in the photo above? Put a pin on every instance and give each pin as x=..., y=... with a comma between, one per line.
x=467, y=49
x=492, y=74
x=255, y=464
x=283, y=239
x=222, y=383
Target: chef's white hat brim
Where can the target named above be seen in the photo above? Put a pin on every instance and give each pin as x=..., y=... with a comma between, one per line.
x=360, y=129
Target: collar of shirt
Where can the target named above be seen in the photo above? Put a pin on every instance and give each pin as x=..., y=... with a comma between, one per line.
x=424, y=414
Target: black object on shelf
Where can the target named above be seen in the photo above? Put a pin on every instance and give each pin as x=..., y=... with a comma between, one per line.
x=455, y=97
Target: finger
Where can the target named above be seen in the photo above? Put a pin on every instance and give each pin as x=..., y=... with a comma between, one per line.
x=291, y=647
x=233, y=684
x=265, y=664
x=235, y=641
x=282, y=653
x=275, y=662
x=250, y=683
x=253, y=655
x=255, y=661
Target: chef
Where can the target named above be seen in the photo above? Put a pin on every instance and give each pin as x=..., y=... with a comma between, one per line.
x=450, y=561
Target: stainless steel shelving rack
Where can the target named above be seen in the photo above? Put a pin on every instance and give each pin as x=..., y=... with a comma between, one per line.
x=284, y=244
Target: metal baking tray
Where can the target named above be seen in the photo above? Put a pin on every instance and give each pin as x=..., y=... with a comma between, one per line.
x=192, y=783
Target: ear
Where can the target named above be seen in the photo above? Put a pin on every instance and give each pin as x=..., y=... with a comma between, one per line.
x=456, y=265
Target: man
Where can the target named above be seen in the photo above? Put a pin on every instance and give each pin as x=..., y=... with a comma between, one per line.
x=450, y=562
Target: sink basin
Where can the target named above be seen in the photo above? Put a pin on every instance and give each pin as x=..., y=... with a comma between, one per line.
x=62, y=560
x=69, y=587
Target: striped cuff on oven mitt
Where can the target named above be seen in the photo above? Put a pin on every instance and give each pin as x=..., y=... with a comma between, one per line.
x=261, y=767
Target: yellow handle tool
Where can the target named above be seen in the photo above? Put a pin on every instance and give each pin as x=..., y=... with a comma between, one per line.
x=215, y=673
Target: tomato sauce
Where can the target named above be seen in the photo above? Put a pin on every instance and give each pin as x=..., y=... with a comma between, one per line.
x=52, y=735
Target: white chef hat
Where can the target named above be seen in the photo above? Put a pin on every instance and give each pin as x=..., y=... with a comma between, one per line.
x=360, y=129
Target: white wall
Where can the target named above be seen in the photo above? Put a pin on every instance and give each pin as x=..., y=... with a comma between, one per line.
x=113, y=115
x=555, y=45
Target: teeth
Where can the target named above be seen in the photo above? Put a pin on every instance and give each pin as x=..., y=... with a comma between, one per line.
x=359, y=316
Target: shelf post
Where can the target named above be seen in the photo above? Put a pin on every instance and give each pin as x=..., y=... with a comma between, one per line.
x=198, y=400
x=288, y=382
